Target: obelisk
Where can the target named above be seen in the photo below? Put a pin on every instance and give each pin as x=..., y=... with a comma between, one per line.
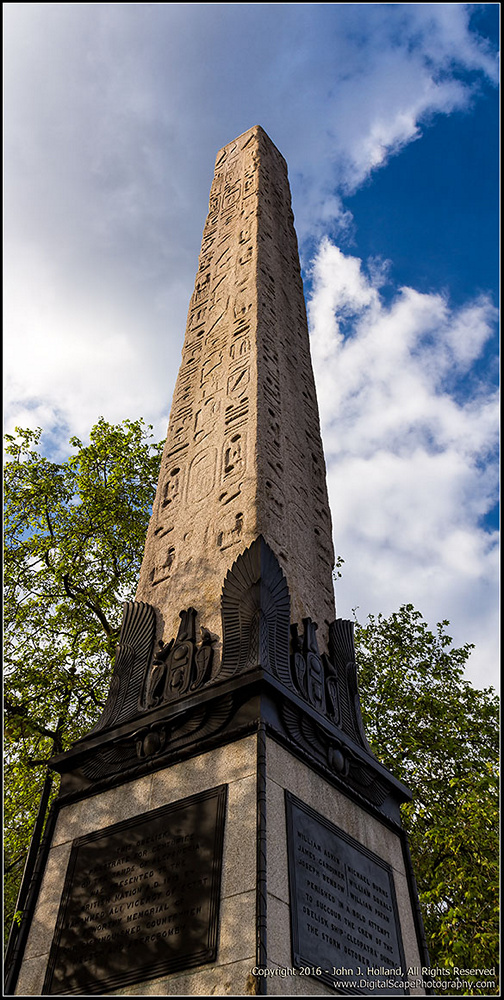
x=243, y=455
x=224, y=828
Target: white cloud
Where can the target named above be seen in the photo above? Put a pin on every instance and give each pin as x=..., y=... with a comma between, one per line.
x=394, y=67
x=411, y=469
x=71, y=357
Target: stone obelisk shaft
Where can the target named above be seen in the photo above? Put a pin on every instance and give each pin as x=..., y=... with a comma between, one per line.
x=243, y=454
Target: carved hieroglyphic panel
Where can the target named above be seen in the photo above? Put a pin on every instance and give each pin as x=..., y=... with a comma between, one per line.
x=202, y=475
x=205, y=417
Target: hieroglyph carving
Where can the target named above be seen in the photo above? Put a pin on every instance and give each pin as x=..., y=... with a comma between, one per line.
x=179, y=666
x=328, y=682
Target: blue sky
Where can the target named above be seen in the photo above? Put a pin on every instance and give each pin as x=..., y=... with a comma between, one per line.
x=387, y=115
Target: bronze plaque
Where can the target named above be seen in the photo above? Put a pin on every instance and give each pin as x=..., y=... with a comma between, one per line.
x=141, y=898
x=344, y=919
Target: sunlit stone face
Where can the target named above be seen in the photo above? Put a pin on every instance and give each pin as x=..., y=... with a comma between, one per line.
x=243, y=453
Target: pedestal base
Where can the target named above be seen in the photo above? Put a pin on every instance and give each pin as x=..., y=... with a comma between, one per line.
x=256, y=918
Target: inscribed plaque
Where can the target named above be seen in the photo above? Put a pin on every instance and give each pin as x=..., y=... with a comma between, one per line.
x=344, y=918
x=141, y=898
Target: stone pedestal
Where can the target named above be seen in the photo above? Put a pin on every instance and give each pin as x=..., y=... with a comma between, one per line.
x=256, y=907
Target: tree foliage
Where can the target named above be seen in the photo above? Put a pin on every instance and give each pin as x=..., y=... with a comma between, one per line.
x=74, y=537
x=439, y=735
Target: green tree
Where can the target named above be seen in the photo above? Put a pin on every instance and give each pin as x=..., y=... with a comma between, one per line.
x=439, y=735
x=74, y=537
